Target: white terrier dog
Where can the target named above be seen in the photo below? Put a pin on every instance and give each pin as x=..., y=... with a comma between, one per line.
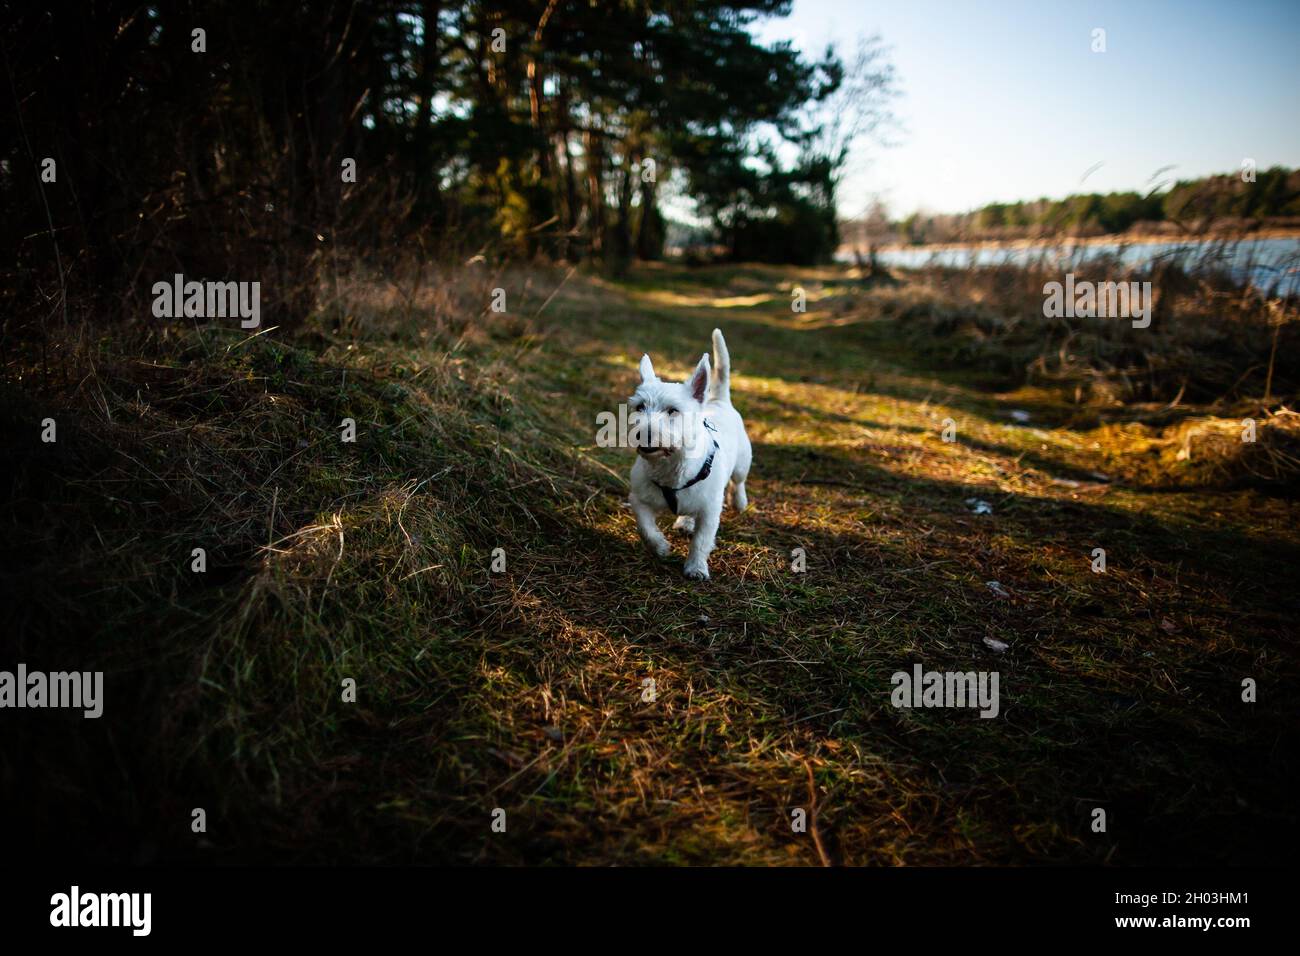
x=690, y=443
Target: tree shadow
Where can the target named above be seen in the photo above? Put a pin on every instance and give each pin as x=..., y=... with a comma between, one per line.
x=868, y=606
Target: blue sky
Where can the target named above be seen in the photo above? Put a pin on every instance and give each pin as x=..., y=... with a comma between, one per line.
x=1005, y=100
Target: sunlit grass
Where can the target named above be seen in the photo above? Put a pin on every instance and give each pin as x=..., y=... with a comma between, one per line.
x=524, y=690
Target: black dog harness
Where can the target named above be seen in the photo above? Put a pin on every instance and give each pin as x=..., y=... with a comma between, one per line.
x=670, y=494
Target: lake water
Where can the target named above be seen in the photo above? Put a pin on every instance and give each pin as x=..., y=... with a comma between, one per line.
x=1270, y=264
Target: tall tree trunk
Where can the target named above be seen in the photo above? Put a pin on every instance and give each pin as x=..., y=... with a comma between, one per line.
x=429, y=12
x=623, y=227
x=535, y=90
x=570, y=196
x=650, y=231
x=593, y=148
x=563, y=126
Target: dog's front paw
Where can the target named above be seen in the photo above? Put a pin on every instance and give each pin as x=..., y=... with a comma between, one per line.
x=684, y=523
x=696, y=570
x=659, y=546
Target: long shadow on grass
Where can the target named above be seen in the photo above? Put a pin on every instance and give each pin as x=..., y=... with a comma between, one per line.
x=1073, y=735
x=1088, y=721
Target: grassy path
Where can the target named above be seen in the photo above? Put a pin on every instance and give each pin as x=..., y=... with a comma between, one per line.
x=1120, y=690
x=526, y=690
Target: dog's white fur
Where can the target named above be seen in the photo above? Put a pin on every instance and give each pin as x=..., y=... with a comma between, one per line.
x=675, y=413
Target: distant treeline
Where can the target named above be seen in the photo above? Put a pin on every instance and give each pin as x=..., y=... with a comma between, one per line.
x=251, y=140
x=1232, y=202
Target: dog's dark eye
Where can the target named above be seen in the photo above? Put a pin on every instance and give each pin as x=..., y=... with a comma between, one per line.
x=640, y=407
x=672, y=411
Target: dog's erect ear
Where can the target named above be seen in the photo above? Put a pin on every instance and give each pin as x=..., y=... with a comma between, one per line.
x=699, y=382
x=647, y=370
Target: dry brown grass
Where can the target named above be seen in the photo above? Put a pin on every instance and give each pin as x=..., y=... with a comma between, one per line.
x=524, y=690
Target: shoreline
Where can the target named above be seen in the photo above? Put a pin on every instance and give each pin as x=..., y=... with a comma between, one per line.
x=1120, y=239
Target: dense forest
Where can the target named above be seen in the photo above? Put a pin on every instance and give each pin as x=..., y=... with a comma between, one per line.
x=230, y=140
